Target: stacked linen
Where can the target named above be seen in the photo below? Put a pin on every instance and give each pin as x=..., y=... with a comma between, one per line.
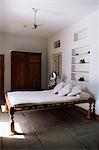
x=63, y=89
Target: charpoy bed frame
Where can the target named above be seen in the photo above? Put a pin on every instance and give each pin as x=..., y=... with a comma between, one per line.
x=25, y=100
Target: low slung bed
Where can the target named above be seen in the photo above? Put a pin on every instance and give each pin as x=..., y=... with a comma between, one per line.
x=24, y=100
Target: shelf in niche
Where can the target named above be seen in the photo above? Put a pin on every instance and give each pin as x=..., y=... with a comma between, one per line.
x=81, y=77
x=80, y=63
x=80, y=54
x=80, y=72
x=81, y=47
x=80, y=81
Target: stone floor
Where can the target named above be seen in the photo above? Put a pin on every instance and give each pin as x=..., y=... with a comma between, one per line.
x=49, y=129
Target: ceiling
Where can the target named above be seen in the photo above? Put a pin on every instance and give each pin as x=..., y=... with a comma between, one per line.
x=53, y=15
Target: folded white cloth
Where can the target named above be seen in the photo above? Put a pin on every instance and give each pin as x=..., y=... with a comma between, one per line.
x=75, y=91
x=58, y=87
x=65, y=90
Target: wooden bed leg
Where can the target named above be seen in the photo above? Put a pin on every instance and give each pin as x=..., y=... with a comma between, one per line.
x=6, y=108
x=94, y=108
x=89, y=117
x=12, y=120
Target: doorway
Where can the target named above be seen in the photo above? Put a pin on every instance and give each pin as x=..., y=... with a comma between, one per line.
x=57, y=63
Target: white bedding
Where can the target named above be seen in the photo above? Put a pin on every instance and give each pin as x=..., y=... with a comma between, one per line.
x=38, y=97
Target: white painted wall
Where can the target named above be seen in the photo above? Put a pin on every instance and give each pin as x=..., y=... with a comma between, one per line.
x=66, y=38
x=0, y=42
x=26, y=44
x=97, y=66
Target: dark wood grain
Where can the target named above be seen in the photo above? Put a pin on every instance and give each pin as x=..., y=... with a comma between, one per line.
x=25, y=71
x=1, y=77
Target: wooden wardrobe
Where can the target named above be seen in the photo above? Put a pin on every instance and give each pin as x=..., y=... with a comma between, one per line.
x=1, y=77
x=25, y=71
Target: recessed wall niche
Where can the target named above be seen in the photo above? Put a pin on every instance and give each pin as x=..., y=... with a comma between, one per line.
x=57, y=44
x=80, y=34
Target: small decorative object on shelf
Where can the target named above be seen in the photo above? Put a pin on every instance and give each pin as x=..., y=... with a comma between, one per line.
x=82, y=61
x=80, y=58
x=81, y=79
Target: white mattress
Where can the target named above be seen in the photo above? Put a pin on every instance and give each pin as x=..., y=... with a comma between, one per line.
x=38, y=97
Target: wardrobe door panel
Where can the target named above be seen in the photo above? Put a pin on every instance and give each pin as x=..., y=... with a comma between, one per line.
x=18, y=57
x=34, y=77
x=25, y=71
x=18, y=76
x=35, y=58
x=1, y=77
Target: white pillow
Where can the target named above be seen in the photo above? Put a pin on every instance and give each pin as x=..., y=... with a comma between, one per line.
x=58, y=87
x=85, y=95
x=65, y=90
x=75, y=90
